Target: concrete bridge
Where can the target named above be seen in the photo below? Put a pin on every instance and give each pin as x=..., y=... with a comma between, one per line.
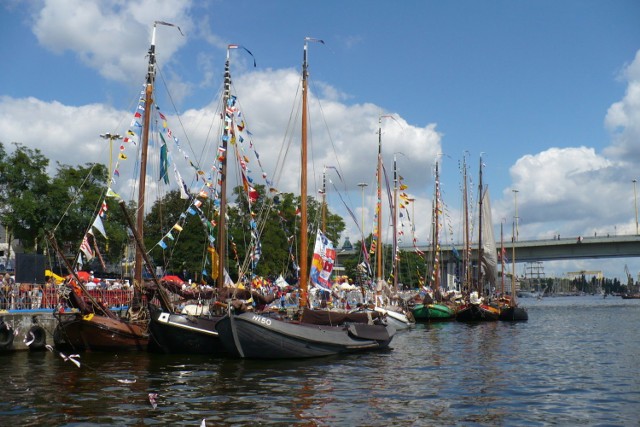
x=623, y=246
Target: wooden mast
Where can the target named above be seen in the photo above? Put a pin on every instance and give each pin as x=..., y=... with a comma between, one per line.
x=514, y=292
x=303, y=277
x=222, y=227
x=395, y=225
x=466, y=261
x=379, y=249
x=502, y=259
x=324, y=202
x=148, y=102
x=480, y=251
x=436, y=236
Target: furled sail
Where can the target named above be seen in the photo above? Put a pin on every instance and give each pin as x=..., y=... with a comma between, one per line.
x=490, y=254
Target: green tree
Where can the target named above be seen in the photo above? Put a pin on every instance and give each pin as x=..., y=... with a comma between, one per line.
x=24, y=186
x=279, y=233
x=188, y=250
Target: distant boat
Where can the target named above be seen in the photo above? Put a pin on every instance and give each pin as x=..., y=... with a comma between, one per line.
x=435, y=309
x=475, y=308
x=630, y=296
x=528, y=294
x=508, y=304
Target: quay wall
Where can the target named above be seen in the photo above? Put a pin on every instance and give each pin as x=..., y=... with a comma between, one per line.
x=25, y=306
x=18, y=324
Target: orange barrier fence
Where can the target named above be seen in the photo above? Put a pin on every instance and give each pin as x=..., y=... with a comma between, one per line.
x=32, y=297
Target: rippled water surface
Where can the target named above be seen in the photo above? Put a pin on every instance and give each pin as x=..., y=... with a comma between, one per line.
x=575, y=362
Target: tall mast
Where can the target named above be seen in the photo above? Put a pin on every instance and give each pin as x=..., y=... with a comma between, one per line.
x=148, y=101
x=436, y=235
x=502, y=259
x=379, y=204
x=222, y=217
x=514, y=292
x=395, y=224
x=304, y=276
x=480, y=251
x=467, y=250
x=324, y=201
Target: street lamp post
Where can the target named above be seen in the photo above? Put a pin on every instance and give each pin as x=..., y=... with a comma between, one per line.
x=110, y=137
x=635, y=203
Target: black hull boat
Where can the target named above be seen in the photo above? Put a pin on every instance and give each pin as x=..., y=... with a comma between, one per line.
x=254, y=336
x=477, y=313
x=184, y=333
x=513, y=314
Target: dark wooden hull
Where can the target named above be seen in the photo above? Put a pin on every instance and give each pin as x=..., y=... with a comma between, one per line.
x=94, y=332
x=250, y=335
x=513, y=314
x=630, y=296
x=186, y=334
x=477, y=313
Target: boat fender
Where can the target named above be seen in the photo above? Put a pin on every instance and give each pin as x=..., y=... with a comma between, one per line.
x=36, y=338
x=6, y=335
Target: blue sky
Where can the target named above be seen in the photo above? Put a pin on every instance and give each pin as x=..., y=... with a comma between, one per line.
x=548, y=91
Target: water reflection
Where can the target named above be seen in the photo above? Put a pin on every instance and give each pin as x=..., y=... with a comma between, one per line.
x=573, y=363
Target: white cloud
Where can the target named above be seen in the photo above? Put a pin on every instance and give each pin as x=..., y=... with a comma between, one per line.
x=111, y=36
x=623, y=117
x=63, y=133
x=340, y=135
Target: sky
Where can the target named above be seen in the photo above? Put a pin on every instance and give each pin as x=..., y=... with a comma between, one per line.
x=546, y=93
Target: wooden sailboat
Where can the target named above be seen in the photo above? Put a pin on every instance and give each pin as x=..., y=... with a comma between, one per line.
x=474, y=307
x=93, y=326
x=185, y=332
x=396, y=315
x=252, y=335
x=433, y=309
x=509, y=309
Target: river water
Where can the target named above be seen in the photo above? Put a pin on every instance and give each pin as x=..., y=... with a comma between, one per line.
x=575, y=362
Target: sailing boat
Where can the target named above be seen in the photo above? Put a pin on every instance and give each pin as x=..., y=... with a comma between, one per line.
x=509, y=309
x=94, y=326
x=252, y=335
x=434, y=309
x=396, y=316
x=189, y=332
x=474, y=308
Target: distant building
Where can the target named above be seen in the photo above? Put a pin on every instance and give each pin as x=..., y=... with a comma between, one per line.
x=347, y=246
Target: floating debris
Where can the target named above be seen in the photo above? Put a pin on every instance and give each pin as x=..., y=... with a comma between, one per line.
x=72, y=357
x=152, y=399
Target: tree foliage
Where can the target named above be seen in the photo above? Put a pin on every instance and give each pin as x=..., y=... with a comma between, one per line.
x=24, y=185
x=278, y=236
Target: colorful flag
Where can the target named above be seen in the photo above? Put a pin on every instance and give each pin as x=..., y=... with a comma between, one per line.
x=85, y=247
x=324, y=257
x=97, y=224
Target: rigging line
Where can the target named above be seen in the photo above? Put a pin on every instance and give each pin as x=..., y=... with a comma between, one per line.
x=178, y=115
x=347, y=207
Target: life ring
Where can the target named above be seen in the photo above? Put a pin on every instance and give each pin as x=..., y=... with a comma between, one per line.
x=6, y=335
x=36, y=338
